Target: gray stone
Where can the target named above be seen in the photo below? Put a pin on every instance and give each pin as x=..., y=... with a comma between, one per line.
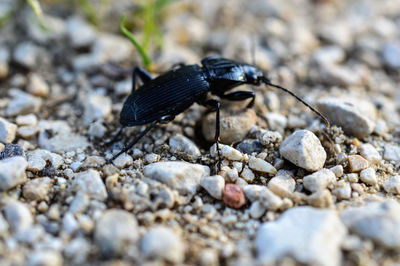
x=328, y=55
x=37, y=189
x=11, y=150
x=214, y=185
x=77, y=250
x=319, y=180
x=303, y=149
x=163, y=243
x=392, y=152
x=12, y=172
x=355, y=116
x=22, y=103
x=55, y=28
x=96, y=107
x=370, y=153
x=18, y=216
x=116, y=231
x=7, y=131
x=376, y=221
x=27, y=54
x=368, y=176
x=91, y=183
x=391, y=55
x=180, y=143
x=80, y=33
x=290, y=235
x=57, y=136
x=45, y=258
x=282, y=185
x=392, y=185
x=183, y=176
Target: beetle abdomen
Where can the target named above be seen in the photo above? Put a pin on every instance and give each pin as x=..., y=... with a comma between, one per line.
x=168, y=94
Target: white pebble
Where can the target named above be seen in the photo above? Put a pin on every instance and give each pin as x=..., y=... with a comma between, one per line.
x=7, y=131
x=214, y=185
x=368, y=176
x=337, y=170
x=392, y=152
x=261, y=165
x=91, y=183
x=122, y=161
x=319, y=180
x=18, y=216
x=392, y=185
x=282, y=185
x=342, y=190
x=12, y=172
x=370, y=153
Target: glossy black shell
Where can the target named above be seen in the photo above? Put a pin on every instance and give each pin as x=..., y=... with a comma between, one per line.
x=169, y=94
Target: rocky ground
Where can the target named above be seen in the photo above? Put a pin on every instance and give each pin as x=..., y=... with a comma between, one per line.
x=291, y=190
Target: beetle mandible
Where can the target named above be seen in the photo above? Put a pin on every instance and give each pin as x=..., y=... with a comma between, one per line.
x=160, y=99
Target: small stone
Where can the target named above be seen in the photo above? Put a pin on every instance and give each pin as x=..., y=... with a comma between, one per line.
x=22, y=103
x=321, y=199
x=338, y=75
x=91, y=183
x=376, y=221
x=391, y=55
x=355, y=116
x=270, y=137
x=37, y=86
x=77, y=250
x=27, y=132
x=342, y=190
x=37, y=160
x=319, y=180
x=96, y=107
x=352, y=177
x=332, y=54
x=304, y=149
x=368, y=176
x=7, y=131
x=163, y=243
x=257, y=210
x=392, y=152
x=269, y=200
x=282, y=185
x=180, y=143
x=97, y=130
x=11, y=150
x=247, y=174
x=151, y=158
x=250, y=146
x=57, y=136
x=116, y=231
x=183, y=176
x=337, y=170
x=80, y=33
x=69, y=223
x=37, y=189
x=12, y=172
x=27, y=54
x=234, y=196
x=231, y=153
x=79, y=203
x=253, y=192
x=290, y=236
x=357, y=163
x=214, y=185
x=18, y=216
x=392, y=185
x=122, y=161
x=45, y=258
x=234, y=126
x=276, y=121
x=370, y=153
x=261, y=165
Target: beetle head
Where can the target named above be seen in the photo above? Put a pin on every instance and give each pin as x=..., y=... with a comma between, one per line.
x=253, y=74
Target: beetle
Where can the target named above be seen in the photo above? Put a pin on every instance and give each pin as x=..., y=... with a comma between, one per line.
x=160, y=99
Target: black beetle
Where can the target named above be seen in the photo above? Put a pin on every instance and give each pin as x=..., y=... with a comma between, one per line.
x=159, y=100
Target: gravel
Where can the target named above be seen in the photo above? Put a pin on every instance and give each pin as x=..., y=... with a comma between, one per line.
x=12, y=172
x=214, y=185
x=7, y=131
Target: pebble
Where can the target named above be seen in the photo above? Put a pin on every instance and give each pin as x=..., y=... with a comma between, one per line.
x=122, y=161
x=368, y=176
x=392, y=152
x=27, y=132
x=80, y=33
x=91, y=183
x=303, y=149
x=320, y=199
x=7, y=131
x=392, y=185
x=96, y=107
x=319, y=180
x=282, y=185
x=77, y=250
x=115, y=232
x=355, y=116
x=22, y=103
x=249, y=146
x=55, y=28
x=233, y=196
x=214, y=185
x=45, y=258
x=151, y=158
x=370, y=153
x=18, y=216
x=257, y=210
x=234, y=126
x=183, y=176
x=261, y=165
x=290, y=236
x=376, y=221
x=161, y=242
x=12, y=172
x=338, y=75
x=269, y=137
x=337, y=170
x=331, y=54
x=269, y=200
x=342, y=190
x=97, y=129
x=253, y=192
x=37, y=189
x=180, y=143
x=27, y=54
x=276, y=121
x=69, y=223
x=57, y=136
x=247, y=174
x=231, y=153
x=357, y=163
x=11, y=150
x=37, y=86
x=79, y=203
x=391, y=55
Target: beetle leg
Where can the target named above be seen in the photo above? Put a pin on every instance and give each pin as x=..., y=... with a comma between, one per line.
x=142, y=74
x=130, y=145
x=240, y=96
x=215, y=106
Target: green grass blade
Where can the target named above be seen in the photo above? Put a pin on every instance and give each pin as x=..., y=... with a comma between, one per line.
x=126, y=32
x=35, y=5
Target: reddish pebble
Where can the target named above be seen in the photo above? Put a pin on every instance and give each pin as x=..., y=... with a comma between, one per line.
x=234, y=196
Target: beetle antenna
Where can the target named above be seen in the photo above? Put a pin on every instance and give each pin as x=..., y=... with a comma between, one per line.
x=268, y=82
